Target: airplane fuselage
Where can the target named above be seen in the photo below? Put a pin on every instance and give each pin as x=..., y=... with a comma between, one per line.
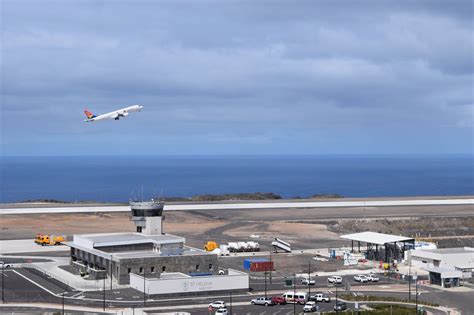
x=115, y=114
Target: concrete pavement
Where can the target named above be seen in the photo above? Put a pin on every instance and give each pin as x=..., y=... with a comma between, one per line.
x=244, y=205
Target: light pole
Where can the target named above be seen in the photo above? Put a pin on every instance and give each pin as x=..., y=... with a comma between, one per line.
x=265, y=272
x=271, y=266
x=416, y=292
x=144, y=292
x=409, y=282
x=103, y=304
x=294, y=294
x=3, y=281
x=62, y=301
x=231, y=303
x=309, y=279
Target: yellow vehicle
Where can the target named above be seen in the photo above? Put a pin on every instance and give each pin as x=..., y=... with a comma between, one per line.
x=210, y=246
x=49, y=240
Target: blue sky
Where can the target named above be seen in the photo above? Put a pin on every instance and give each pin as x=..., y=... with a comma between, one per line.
x=237, y=77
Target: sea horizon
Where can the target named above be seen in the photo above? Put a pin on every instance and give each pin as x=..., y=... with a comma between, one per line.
x=120, y=178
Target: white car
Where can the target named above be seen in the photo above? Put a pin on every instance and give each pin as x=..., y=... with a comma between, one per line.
x=310, y=307
x=222, y=311
x=373, y=278
x=361, y=278
x=335, y=279
x=307, y=281
x=320, y=297
x=217, y=304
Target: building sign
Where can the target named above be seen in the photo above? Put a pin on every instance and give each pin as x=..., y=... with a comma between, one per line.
x=197, y=285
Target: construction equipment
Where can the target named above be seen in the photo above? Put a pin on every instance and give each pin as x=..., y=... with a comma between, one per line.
x=280, y=244
x=49, y=240
x=210, y=246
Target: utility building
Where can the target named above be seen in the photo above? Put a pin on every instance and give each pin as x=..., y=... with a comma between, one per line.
x=447, y=266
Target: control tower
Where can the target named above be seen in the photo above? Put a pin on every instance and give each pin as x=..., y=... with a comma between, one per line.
x=147, y=216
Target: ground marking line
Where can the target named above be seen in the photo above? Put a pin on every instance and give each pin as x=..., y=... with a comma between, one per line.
x=35, y=283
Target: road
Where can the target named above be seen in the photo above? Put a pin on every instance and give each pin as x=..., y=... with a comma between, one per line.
x=15, y=209
x=22, y=285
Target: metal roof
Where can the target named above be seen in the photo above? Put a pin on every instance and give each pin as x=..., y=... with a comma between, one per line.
x=376, y=238
x=117, y=239
x=445, y=272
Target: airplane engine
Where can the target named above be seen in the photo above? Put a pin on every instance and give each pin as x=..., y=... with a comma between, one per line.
x=124, y=114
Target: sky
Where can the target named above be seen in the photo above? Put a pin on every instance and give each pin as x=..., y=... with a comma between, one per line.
x=237, y=77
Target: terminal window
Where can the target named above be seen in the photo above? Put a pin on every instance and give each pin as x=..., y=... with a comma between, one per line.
x=210, y=266
x=129, y=270
x=197, y=267
x=163, y=269
x=141, y=269
x=152, y=269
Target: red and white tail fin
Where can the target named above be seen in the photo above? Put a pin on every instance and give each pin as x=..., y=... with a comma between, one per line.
x=89, y=114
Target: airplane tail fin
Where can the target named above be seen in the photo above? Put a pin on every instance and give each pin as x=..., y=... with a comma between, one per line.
x=89, y=114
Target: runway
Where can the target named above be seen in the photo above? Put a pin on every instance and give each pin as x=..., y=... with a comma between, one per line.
x=35, y=209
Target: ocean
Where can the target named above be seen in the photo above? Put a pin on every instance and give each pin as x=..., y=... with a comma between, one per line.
x=118, y=179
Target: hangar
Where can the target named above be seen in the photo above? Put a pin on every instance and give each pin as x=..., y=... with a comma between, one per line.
x=380, y=246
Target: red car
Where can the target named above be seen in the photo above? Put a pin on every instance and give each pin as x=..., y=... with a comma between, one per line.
x=280, y=300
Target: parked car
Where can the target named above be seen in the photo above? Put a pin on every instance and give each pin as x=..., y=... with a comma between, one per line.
x=278, y=300
x=361, y=278
x=308, y=281
x=340, y=306
x=221, y=311
x=335, y=279
x=262, y=301
x=310, y=307
x=217, y=304
x=320, y=297
x=373, y=278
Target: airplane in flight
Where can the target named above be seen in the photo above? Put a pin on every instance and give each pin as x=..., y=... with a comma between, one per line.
x=113, y=115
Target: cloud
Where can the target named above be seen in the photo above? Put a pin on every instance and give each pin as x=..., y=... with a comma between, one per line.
x=240, y=72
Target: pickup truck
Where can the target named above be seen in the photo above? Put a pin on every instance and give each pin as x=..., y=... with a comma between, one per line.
x=320, y=297
x=262, y=301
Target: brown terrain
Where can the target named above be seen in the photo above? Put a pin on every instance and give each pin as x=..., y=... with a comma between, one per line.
x=303, y=228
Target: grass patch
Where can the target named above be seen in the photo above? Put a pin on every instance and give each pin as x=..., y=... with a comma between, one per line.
x=368, y=298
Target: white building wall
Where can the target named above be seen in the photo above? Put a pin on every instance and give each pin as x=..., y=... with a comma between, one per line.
x=428, y=260
x=236, y=280
x=153, y=226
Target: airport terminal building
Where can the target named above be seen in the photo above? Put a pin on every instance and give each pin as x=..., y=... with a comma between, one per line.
x=148, y=252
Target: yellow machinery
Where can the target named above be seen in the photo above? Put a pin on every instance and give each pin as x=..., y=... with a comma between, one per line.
x=48, y=240
x=210, y=246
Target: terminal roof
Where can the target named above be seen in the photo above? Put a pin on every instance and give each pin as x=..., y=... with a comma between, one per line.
x=116, y=239
x=376, y=238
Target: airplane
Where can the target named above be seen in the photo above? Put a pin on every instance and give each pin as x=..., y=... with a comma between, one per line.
x=113, y=115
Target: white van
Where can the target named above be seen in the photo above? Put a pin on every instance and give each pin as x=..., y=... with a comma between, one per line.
x=297, y=297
